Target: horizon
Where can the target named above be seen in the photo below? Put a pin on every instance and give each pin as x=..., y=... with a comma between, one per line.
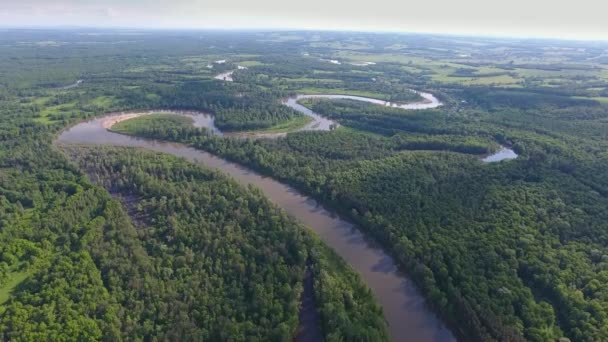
x=518, y=19
x=297, y=29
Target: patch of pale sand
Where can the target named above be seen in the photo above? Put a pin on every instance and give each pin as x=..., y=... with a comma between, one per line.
x=110, y=121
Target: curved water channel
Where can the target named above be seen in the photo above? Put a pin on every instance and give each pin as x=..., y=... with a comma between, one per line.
x=318, y=122
x=429, y=101
x=404, y=307
x=321, y=123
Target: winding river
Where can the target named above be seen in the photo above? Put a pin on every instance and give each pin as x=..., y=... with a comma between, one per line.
x=428, y=101
x=318, y=122
x=321, y=123
x=404, y=307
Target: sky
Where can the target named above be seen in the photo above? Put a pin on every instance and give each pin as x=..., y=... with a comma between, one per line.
x=567, y=19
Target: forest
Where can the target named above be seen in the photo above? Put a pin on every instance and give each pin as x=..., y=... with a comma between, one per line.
x=419, y=201
x=119, y=244
x=509, y=251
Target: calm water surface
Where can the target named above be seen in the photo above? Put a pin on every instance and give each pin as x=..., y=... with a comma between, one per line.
x=321, y=123
x=404, y=308
x=428, y=101
x=225, y=76
x=504, y=153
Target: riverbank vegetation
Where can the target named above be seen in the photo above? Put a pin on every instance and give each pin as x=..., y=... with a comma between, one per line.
x=429, y=208
x=153, y=121
x=174, y=253
x=75, y=265
x=198, y=236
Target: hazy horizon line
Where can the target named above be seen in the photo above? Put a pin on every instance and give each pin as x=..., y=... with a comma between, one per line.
x=505, y=36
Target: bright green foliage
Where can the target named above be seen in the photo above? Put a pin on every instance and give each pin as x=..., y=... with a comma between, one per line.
x=168, y=121
x=500, y=249
x=215, y=245
x=509, y=251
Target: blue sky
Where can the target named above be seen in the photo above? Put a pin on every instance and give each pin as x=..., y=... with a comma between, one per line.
x=581, y=19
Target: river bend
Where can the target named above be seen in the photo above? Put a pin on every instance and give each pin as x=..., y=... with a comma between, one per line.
x=404, y=307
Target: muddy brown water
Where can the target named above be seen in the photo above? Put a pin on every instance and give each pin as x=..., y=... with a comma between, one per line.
x=309, y=329
x=404, y=307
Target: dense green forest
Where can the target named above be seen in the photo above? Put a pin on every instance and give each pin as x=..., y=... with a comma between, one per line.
x=168, y=250
x=154, y=121
x=236, y=108
x=518, y=239
x=186, y=265
x=120, y=243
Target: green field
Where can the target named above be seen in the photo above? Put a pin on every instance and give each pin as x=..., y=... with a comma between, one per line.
x=342, y=91
x=152, y=120
x=287, y=126
x=15, y=278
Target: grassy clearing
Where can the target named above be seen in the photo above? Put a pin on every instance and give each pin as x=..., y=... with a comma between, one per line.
x=229, y=57
x=281, y=37
x=41, y=101
x=47, y=113
x=50, y=113
x=156, y=119
x=148, y=68
x=487, y=70
x=560, y=74
x=416, y=62
x=346, y=129
x=342, y=91
x=412, y=69
x=14, y=279
x=480, y=80
x=43, y=120
x=313, y=80
x=323, y=72
x=152, y=97
x=250, y=63
x=601, y=99
x=103, y=101
x=377, y=58
x=442, y=70
x=287, y=126
x=352, y=45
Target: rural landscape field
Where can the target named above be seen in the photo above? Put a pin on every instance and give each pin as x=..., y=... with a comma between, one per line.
x=209, y=185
